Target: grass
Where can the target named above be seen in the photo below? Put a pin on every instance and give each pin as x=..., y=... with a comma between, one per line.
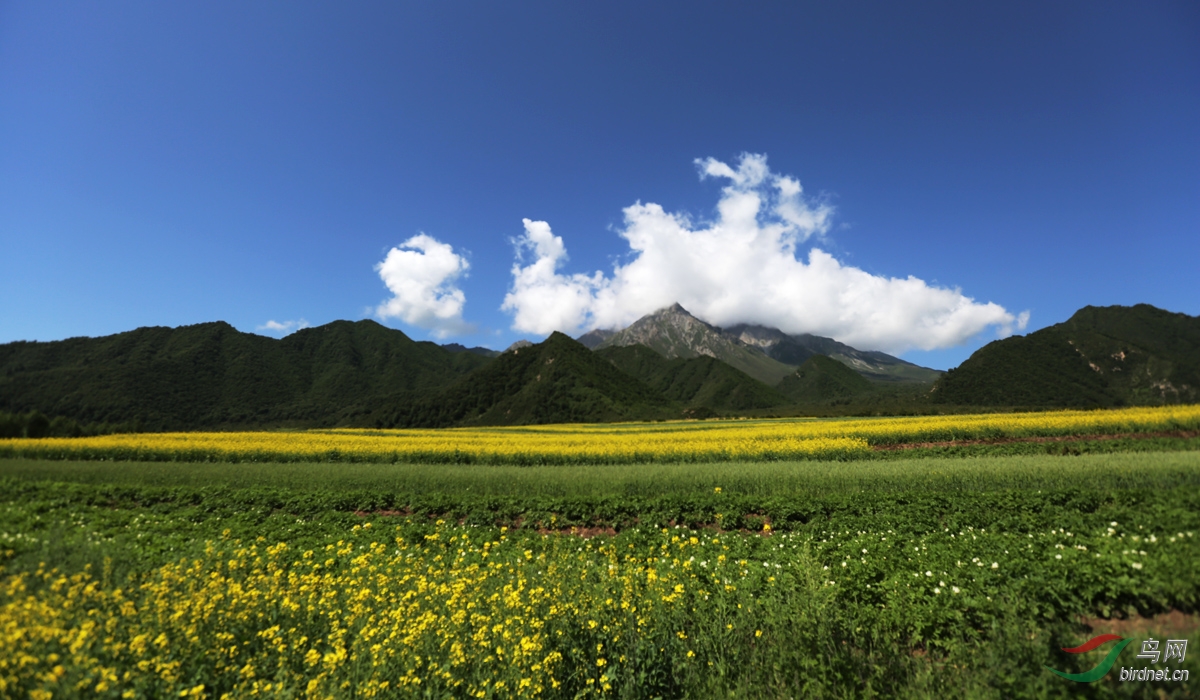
x=1118, y=470
x=839, y=592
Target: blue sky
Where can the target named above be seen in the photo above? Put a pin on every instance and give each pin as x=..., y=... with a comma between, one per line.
x=961, y=165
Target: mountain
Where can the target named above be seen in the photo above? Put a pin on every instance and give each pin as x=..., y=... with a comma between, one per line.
x=211, y=375
x=697, y=381
x=767, y=354
x=458, y=347
x=773, y=342
x=1101, y=356
x=556, y=381
x=593, y=338
x=821, y=378
x=796, y=349
x=667, y=364
x=673, y=332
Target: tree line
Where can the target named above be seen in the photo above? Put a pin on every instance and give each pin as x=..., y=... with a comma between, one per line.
x=36, y=424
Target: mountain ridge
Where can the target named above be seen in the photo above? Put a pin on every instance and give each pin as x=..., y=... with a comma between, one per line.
x=765, y=353
x=556, y=381
x=674, y=332
x=211, y=375
x=696, y=381
x=1100, y=356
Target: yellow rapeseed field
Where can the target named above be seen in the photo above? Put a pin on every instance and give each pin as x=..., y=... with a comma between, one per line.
x=684, y=441
x=455, y=612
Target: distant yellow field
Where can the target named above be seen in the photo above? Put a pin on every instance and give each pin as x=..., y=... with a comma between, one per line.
x=685, y=441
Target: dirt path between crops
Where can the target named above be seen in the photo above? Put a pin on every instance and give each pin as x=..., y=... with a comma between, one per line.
x=1174, y=624
x=1186, y=434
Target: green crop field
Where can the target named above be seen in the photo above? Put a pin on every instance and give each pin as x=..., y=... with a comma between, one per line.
x=898, y=576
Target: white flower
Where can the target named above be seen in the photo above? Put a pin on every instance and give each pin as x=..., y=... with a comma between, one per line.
x=1137, y=565
x=843, y=565
x=1058, y=556
x=995, y=565
x=929, y=573
x=955, y=589
x=937, y=591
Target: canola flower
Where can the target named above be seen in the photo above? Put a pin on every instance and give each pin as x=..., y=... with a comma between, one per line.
x=756, y=440
x=455, y=611
x=451, y=611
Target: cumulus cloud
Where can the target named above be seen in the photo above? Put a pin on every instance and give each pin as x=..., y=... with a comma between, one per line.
x=421, y=274
x=742, y=267
x=283, y=328
x=542, y=300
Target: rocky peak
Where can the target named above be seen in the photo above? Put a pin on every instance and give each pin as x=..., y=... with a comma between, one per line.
x=759, y=336
x=593, y=338
x=674, y=332
x=515, y=347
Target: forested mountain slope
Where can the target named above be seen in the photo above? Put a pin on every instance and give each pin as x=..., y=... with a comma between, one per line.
x=1101, y=356
x=211, y=375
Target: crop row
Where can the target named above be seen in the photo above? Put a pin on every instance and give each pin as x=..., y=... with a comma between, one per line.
x=220, y=592
x=780, y=439
x=383, y=610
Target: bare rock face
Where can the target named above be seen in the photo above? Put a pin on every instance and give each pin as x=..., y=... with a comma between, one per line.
x=767, y=354
x=516, y=347
x=796, y=349
x=593, y=338
x=674, y=332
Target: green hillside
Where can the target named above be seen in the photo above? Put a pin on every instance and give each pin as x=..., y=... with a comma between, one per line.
x=556, y=381
x=696, y=381
x=821, y=378
x=1101, y=356
x=211, y=375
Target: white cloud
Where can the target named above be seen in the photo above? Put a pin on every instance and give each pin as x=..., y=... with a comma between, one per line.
x=542, y=300
x=284, y=328
x=421, y=275
x=743, y=268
